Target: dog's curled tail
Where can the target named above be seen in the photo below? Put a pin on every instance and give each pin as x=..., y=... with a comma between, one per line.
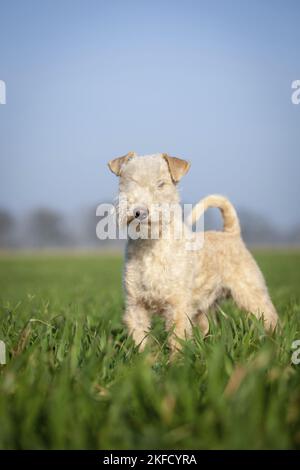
x=230, y=218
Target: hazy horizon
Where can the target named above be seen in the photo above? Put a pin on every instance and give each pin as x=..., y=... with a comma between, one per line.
x=209, y=81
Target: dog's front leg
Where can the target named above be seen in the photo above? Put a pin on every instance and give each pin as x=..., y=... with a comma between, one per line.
x=137, y=320
x=179, y=325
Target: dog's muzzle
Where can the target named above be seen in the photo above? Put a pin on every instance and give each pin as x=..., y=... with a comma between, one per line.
x=140, y=213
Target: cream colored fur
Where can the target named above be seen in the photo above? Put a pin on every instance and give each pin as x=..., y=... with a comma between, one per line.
x=162, y=276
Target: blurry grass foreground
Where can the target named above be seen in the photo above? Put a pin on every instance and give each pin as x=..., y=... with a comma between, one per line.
x=74, y=379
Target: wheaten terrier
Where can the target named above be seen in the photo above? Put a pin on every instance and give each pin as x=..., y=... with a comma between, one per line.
x=180, y=277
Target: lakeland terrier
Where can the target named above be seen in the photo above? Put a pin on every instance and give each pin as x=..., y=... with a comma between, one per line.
x=162, y=275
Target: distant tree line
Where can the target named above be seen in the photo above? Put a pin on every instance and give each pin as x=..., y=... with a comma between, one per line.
x=47, y=228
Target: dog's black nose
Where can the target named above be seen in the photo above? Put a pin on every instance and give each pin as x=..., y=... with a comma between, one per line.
x=140, y=213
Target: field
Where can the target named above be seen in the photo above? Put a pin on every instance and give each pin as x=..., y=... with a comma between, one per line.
x=74, y=380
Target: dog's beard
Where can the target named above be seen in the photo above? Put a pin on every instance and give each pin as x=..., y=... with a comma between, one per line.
x=157, y=225
x=149, y=229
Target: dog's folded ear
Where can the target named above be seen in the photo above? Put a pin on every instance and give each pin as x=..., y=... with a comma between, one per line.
x=116, y=164
x=177, y=167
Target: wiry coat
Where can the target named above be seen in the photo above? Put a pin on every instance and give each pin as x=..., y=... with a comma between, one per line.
x=163, y=275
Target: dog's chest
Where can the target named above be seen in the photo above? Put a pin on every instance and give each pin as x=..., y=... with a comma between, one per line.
x=153, y=277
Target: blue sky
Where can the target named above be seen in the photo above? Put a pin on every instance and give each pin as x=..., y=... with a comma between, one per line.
x=209, y=81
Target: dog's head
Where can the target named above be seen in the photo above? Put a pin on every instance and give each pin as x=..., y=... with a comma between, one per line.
x=146, y=183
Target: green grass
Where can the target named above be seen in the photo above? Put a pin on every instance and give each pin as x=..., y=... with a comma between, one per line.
x=73, y=378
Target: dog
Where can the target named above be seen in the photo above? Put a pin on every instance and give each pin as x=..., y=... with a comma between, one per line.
x=162, y=275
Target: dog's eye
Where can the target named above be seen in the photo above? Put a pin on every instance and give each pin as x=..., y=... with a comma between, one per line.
x=161, y=184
